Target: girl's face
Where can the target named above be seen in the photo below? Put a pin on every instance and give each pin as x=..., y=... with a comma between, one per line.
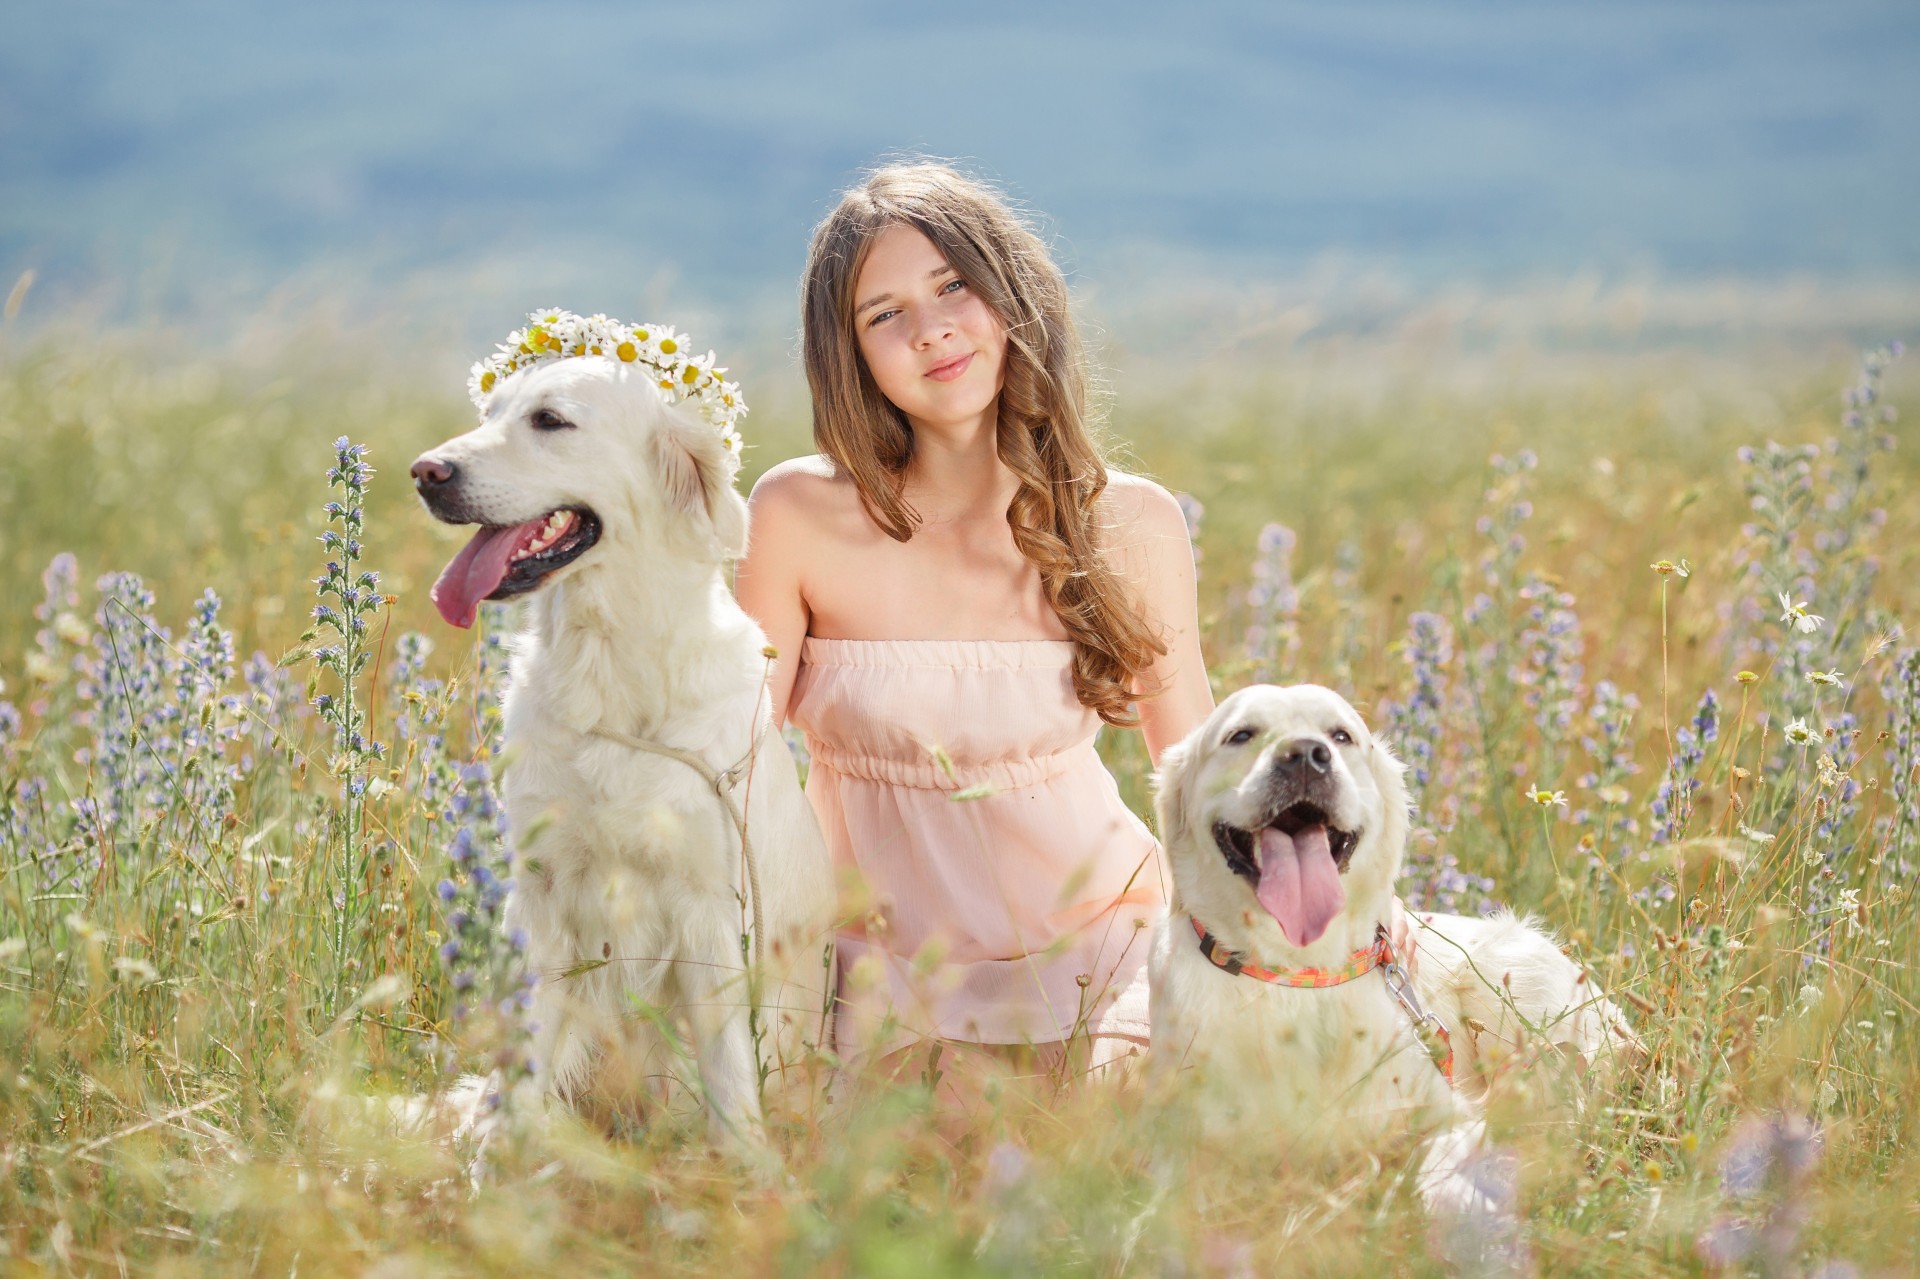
x=933, y=346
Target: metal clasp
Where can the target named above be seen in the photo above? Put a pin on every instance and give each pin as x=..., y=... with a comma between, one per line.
x=1432, y=1031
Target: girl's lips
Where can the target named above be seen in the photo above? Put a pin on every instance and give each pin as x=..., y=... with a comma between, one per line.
x=951, y=369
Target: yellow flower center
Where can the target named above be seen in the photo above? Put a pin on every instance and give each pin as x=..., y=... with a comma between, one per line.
x=626, y=352
x=669, y=346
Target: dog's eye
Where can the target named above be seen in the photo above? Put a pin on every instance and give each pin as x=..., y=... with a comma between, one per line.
x=1342, y=736
x=548, y=420
x=1239, y=737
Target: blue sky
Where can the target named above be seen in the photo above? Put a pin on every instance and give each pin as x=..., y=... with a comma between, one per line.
x=601, y=151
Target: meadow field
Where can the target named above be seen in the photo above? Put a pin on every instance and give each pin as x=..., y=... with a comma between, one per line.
x=1634, y=618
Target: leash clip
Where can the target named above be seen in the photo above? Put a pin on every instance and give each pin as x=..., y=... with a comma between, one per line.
x=1433, y=1032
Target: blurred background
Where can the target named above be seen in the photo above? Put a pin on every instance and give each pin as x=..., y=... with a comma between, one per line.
x=1627, y=172
x=1330, y=256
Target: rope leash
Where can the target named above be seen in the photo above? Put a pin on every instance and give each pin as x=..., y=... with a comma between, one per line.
x=723, y=782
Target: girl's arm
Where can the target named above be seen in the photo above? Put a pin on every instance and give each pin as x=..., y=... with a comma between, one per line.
x=1153, y=555
x=768, y=580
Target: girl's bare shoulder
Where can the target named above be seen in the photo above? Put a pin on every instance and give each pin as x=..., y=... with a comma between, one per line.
x=1144, y=532
x=1136, y=505
x=805, y=494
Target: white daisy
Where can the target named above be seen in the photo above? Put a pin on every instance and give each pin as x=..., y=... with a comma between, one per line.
x=1796, y=616
x=661, y=350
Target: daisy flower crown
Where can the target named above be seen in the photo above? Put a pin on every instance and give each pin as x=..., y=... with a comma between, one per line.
x=678, y=374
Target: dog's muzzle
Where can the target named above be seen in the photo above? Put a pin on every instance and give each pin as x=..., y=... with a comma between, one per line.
x=502, y=560
x=1300, y=793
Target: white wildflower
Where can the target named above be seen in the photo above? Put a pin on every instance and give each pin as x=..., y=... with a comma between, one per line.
x=1830, y=679
x=1796, y=616
x=1799, y=734
x=1547, y=798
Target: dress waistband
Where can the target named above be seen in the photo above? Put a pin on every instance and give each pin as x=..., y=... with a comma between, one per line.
x=942, y=773
x=952, y=655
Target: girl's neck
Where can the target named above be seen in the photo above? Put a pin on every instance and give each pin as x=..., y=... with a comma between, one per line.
x=956, y=469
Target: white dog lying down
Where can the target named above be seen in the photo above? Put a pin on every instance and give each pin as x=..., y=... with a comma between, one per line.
x=1284, y=823
x=631, y=889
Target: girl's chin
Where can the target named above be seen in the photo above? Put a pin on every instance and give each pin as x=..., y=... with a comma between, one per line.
x=959, y=403
x=950, y=416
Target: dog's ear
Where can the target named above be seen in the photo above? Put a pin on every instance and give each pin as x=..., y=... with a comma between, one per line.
x=696, y=472
x=1390, y=775
x=1390, y=778
x=1169, y=785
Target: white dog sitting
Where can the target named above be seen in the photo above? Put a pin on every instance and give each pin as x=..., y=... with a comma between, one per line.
x=639, y=742
x=1273, y=987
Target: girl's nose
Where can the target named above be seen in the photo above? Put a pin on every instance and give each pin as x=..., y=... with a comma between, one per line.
x=931, y=327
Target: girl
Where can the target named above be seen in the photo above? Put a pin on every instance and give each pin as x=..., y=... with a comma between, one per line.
x=960, y=592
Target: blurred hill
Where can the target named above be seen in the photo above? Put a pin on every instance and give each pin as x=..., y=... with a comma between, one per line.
x=467, y=161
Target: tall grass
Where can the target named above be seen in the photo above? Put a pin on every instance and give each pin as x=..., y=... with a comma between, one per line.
x=251, y=863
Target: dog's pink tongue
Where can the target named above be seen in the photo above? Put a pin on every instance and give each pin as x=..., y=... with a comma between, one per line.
x=1299, y=884
x=473, y=574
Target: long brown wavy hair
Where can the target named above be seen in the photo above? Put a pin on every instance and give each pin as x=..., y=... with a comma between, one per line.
x=1044, y=436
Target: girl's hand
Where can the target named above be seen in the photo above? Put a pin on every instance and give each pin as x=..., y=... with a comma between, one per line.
x=1400, y=935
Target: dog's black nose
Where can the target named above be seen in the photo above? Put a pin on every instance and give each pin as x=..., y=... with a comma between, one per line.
x=430, y=473
x=1304, y=755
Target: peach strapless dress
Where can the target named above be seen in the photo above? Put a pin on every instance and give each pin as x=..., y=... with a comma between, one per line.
x=1012, y=889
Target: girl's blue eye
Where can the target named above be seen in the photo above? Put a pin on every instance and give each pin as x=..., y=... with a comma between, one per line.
x=884, y=315
x=1240, y=737
x=955, y=283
